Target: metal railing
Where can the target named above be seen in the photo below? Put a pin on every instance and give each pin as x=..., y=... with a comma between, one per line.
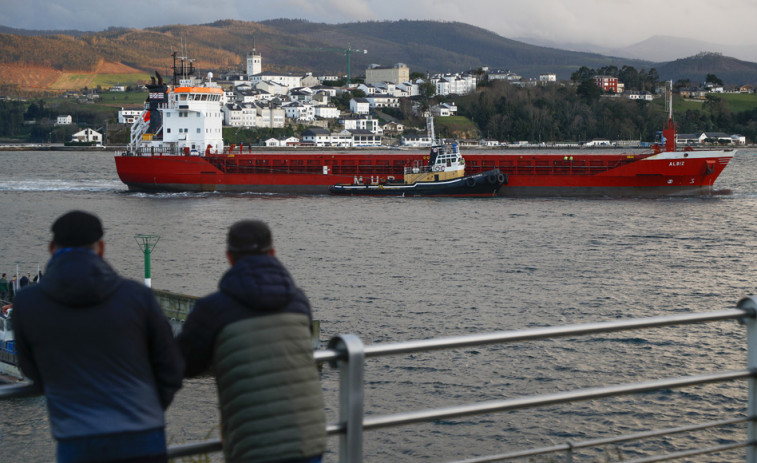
x=349, y=354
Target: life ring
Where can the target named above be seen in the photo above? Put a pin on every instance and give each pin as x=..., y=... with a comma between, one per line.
x=501, y=178
x=7, y=308
x=470, y=181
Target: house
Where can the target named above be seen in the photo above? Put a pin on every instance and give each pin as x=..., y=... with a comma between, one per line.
x=316, y=136
x=327, y=112
x=239, y=114
x=272, y=87
x=454, y=84
x=286, y=80
x=607, y=83
x=393, y=128
x=644, y=96
x=299, y=112
x=362, y=123
x=382, y=100
x=282, y=142
x=501, y=74
x=128, y=116
x=360, y=106
x=699, y=138
x=64, y=120
x=417, y=140
x=362, y=137
x=547, y=78
x=444, y=110
x=87, y=136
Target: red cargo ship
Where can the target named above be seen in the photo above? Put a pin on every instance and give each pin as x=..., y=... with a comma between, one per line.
x=177, y=145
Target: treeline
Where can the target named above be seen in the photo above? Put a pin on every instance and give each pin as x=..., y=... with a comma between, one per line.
x=578, y=113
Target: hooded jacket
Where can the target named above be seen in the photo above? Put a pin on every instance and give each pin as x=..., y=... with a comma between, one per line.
x=98, y=346
x=254, y=333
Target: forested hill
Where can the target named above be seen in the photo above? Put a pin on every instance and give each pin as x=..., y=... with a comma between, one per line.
x=300, y=46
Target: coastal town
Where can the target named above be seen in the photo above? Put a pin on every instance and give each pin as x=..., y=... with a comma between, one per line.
x=363, y=112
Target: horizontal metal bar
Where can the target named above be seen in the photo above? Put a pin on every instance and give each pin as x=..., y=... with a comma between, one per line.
x=599, y=442
x=382, y=421
x=658, y=433
x=195, y=448
x=18, y=390
x=376, y=350
x=691, y=453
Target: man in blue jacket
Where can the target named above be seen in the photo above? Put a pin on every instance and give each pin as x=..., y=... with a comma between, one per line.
x=100, y=349
x=254, y=333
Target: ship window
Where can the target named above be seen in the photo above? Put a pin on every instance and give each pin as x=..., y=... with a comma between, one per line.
x=198, y=130
x=168, y=130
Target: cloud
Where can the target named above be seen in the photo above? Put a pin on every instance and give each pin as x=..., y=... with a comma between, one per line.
x=605, y=22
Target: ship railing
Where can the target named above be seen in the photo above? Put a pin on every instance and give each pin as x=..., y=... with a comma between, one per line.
x=349, y=354
x=417, y=169
x=138, y=129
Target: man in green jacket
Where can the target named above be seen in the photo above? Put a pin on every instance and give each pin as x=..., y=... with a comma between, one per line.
x=254, y=333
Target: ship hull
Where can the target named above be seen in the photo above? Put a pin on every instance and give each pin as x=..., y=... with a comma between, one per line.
x=663, y=174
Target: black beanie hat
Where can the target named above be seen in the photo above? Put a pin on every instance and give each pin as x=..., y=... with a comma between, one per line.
x=76, y=228
x=249, y=237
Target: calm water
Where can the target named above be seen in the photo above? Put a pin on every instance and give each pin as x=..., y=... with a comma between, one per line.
x=395, y=269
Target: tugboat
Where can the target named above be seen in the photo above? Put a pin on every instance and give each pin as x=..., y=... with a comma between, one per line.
x=444, y=175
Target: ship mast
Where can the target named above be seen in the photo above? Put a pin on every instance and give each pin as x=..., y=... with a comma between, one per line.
x=669, y=132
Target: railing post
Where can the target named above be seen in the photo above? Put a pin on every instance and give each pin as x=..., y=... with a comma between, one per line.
x=350, y=363
x=750, y=304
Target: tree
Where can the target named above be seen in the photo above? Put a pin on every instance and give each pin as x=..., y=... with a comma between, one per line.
x=589, y=91
x=713, y=79
x=583, y=73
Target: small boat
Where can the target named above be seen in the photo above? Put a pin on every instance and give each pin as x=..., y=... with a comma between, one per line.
x=8, y=355
x=443, y=175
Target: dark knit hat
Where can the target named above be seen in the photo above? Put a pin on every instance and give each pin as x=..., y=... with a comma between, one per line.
x=249, y=237
x=76, y=228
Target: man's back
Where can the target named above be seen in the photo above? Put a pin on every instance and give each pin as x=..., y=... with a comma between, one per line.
x=255, y=335
x=98, y=346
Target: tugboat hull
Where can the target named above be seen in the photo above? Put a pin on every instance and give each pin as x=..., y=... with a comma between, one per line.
x=484, y=184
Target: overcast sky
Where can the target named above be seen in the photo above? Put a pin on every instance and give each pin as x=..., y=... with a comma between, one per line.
x=613, y=23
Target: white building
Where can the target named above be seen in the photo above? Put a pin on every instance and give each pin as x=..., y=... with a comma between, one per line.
x=362, y=123
x=287, y=80
x=546, y=78
x=395, y=74
x=327, y=112
x=64, y=120
x=87, y=136
x=444, y=110
x=240, y=115
x=282, y=142
x=454, y=84
x=360, y=106
x=299, y=111
x=128, y=116
x=417, y=140
x=382, y=100
x=316, y=136
x=272, y=87
x=254, y=62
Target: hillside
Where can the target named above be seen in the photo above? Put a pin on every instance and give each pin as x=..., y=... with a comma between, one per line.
x=35, y=60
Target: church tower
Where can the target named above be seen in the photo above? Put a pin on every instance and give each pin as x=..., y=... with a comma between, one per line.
x=254, y=61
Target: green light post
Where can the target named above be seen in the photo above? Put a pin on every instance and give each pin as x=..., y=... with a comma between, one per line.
x=147, y=244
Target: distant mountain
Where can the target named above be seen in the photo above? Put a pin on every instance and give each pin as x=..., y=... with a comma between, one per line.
x=658, y=49
x=730, y=70
x=49, y=59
